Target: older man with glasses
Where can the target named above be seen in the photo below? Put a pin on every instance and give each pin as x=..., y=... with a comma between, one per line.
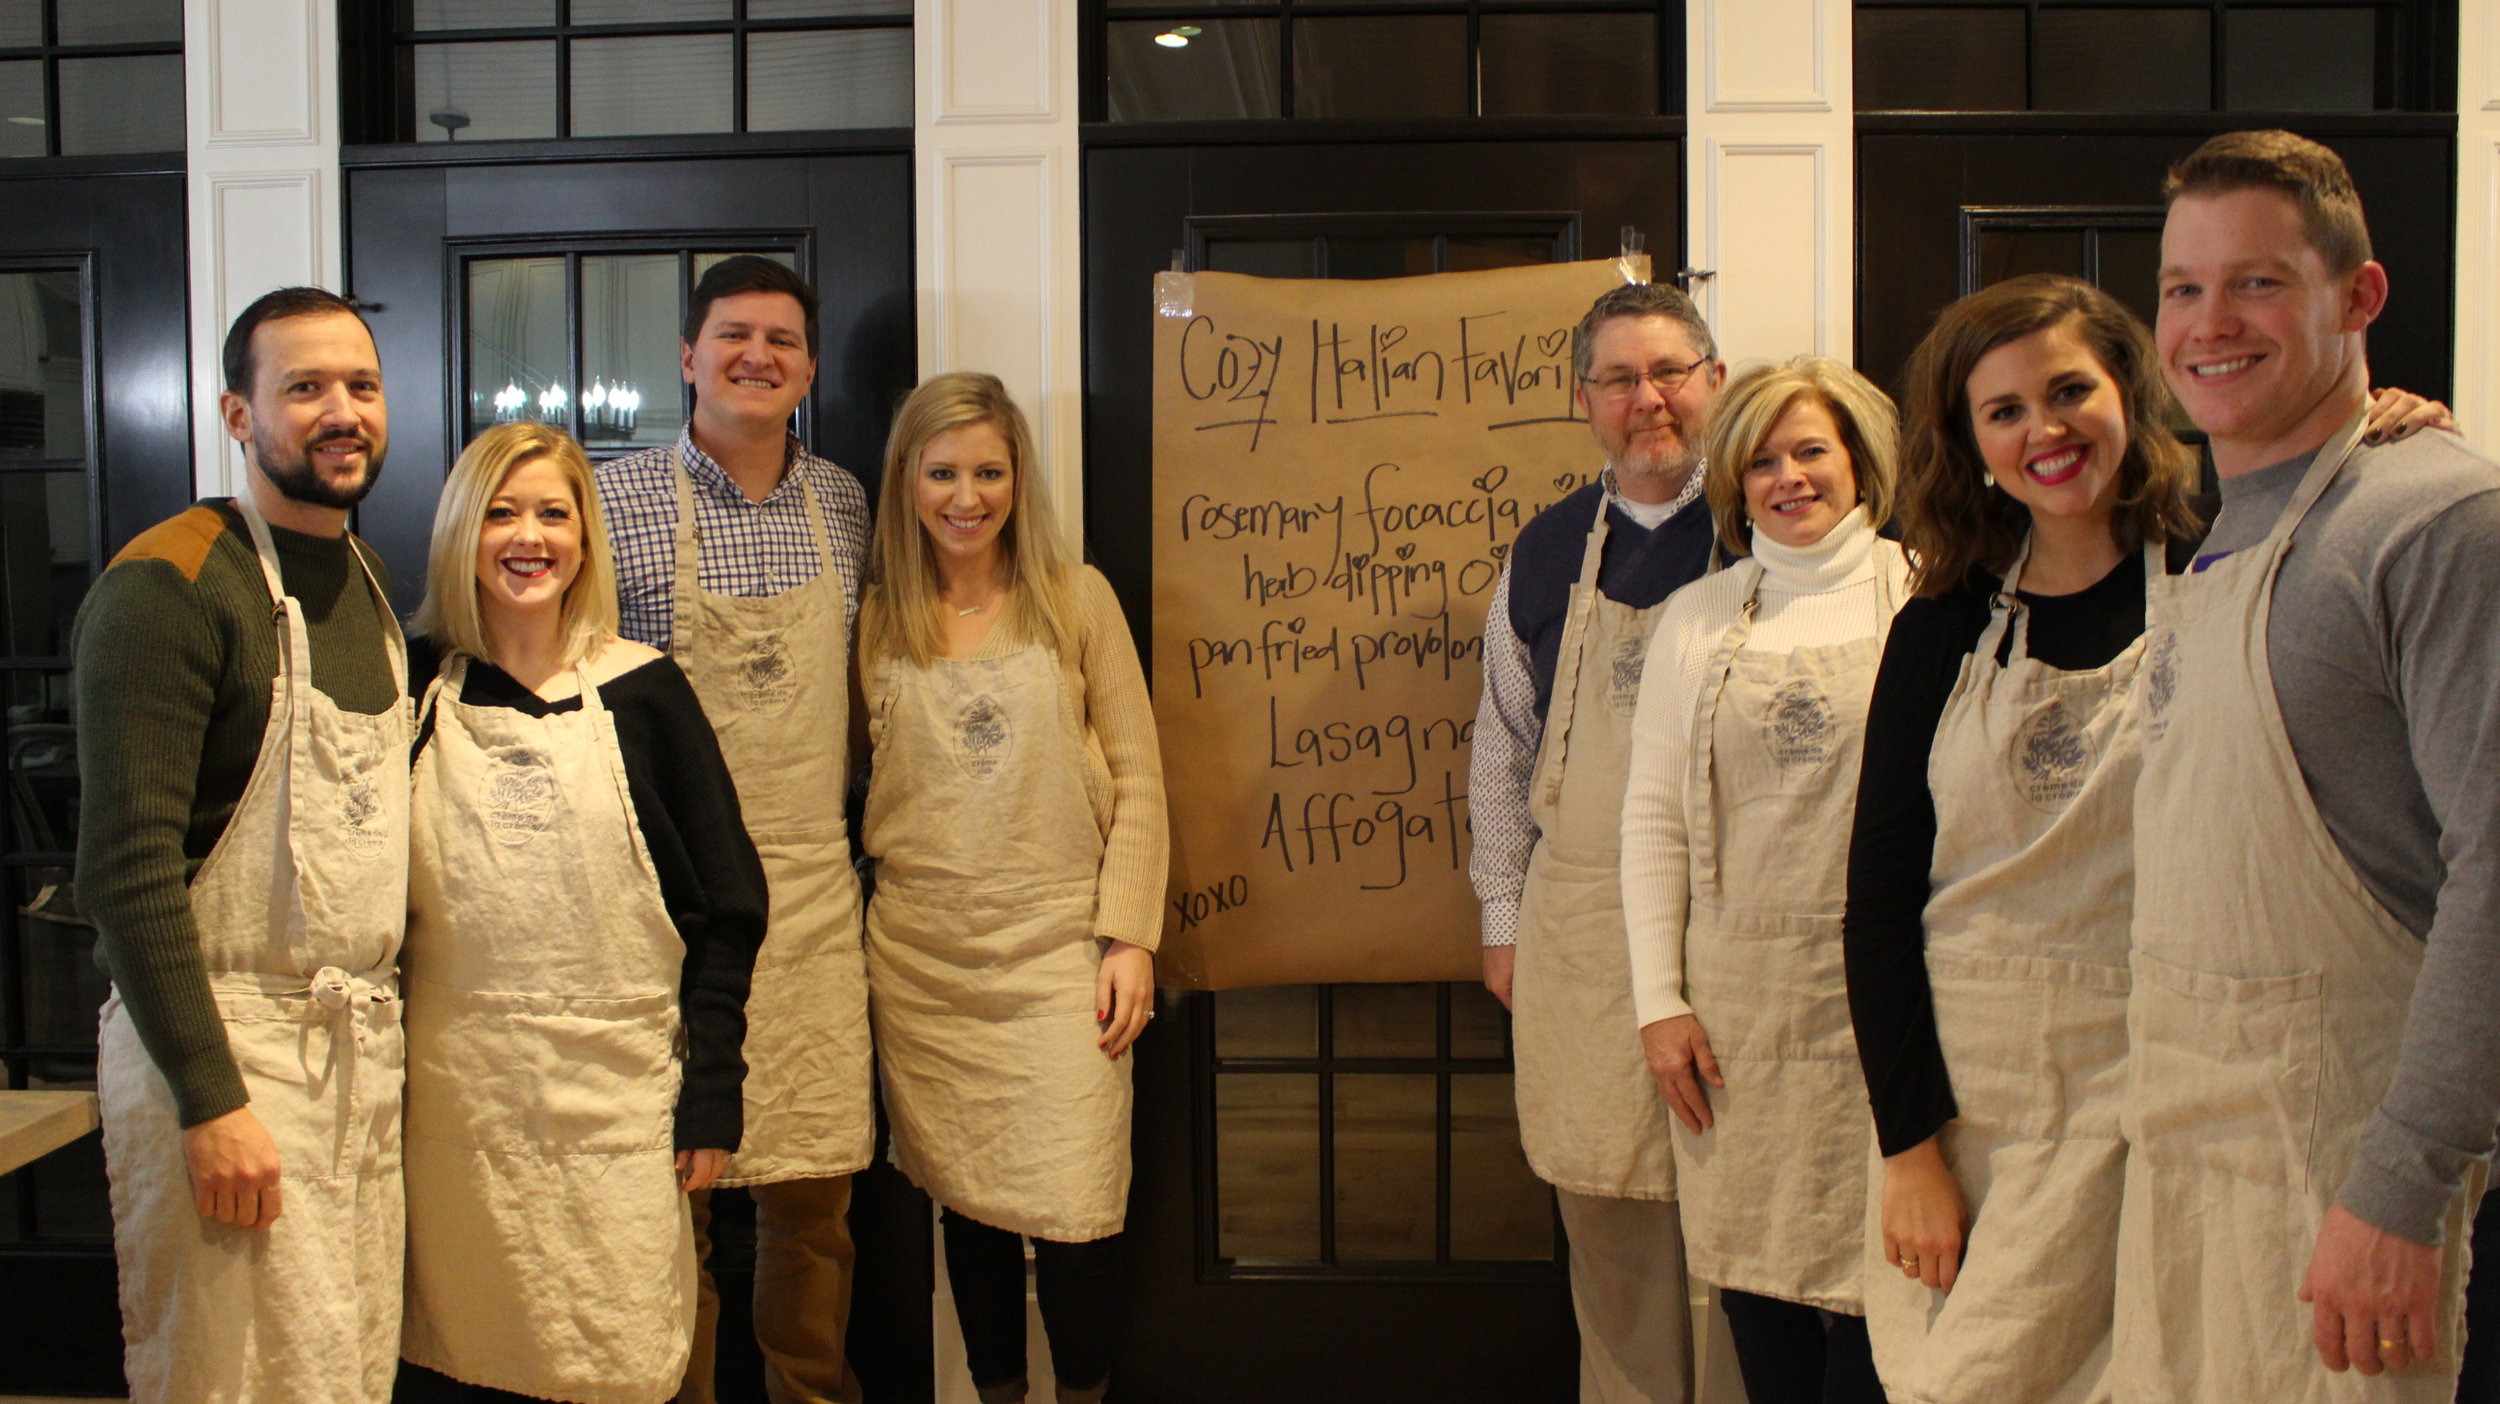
x=1564, y=638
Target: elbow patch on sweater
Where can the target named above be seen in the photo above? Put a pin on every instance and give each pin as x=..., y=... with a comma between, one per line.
x=182, y=541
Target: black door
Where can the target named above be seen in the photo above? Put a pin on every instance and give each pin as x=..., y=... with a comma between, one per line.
x=1330, y=1202
x=544, y=284
x=95, y=447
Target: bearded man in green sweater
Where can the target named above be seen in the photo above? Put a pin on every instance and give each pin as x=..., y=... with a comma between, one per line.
x=243, y=738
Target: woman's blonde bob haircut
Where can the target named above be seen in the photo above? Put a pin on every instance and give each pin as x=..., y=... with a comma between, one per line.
x=449, y=613
x=1751, y=406
x=901, y=616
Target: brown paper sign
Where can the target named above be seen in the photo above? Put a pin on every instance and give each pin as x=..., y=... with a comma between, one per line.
x=1340, y=469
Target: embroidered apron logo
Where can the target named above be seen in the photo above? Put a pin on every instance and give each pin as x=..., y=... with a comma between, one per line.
x=521, y=796
x=1799, y=729
x=766, y=676
x=2052, y=757
x=1623, y=679
x=360, y=805
x=2161, y=683
x=983, y=739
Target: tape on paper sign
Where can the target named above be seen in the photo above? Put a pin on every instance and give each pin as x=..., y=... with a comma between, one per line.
x=1634, y=267
x=1176, y=294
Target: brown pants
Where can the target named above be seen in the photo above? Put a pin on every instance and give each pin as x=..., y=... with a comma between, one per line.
x=803, y=1258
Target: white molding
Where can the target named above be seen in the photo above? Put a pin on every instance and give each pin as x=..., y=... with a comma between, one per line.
x=1719, y=93
x=1717, y=240
x=259, y=24
x=2476, y=396
x=1041, y=43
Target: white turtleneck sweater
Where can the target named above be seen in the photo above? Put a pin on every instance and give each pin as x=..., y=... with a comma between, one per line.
x=1840, y=589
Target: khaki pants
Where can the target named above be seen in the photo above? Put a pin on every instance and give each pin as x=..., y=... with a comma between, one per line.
x=803, y=1260
x=1628, y=1291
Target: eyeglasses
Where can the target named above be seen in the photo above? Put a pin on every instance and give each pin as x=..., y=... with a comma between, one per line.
x=1623, y=385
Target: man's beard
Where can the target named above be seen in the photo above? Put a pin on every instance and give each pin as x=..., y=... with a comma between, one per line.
x=1668, y=469
x=290, y=470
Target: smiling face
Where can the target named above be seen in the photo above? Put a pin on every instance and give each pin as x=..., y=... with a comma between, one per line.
x=749, y=365
x=2259, y=339
x=1652, y=439
x=2050, y=424
x=1799, y=482
x=529, y=548
x=315, y=424
x=967, y=479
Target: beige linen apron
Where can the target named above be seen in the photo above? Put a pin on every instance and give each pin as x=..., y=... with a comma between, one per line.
x=773, y=675
x=2033, y=772
x=2270, y=996
x=1590, y=1117
x=1775, y=1191
x=550, y=1252
x=981, y=949
x=299, y=909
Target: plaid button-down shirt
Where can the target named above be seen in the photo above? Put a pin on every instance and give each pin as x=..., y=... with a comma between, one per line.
x=750, y=548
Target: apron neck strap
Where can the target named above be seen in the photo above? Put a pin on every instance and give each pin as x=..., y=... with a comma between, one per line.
x=2321, y=475
x=265, y=546
x=689, y=538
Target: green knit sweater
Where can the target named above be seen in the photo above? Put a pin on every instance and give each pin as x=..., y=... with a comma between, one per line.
x=174, y=653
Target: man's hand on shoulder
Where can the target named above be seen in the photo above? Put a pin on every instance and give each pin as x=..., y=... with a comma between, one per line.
x=234, y=1169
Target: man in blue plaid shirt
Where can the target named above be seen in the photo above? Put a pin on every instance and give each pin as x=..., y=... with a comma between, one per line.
x=739, y=553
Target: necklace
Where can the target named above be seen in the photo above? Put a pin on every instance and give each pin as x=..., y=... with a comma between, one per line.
x=968, y=610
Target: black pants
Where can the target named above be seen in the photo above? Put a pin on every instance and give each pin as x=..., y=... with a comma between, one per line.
x=1079, y=1288
x=2480, y=1382
x=1791, y=1354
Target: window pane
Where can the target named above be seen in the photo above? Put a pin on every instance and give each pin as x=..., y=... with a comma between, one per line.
x=21, y=109
x=630, y=311
x=2010, y=253
x=1267, y=1166
x=44, y=560
x=1478, y=1027
x=2131, y=268
x=1473, y=253
x=517, y=356
x=1380, y=66
x=485, y=92
x=1386, y=1185
x=483, y=14
x=2300, y=60
x=111, y=105
x=818, y=9
x=64, y=989
x=43, y=799
x=1499, y=1209
x=21, y=24
x=644, y=87
x=1939, y=60
x=2124, y=61
x=1377, y=258
x=703, y=261
x=119, y=21
x=1260, y=258
x=1385, y=1021
x=647, y=11
x=43, y=367
x=1272, y=1021
x=1226, y=71
x=1535, y=65
x=836, y=78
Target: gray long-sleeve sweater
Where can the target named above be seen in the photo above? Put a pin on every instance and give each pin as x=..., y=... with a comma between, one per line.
x=2385, y=645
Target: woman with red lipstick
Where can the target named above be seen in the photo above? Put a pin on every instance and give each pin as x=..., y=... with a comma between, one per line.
x=1015, y=812
x=1752, y=705
x=1990, y=866
x=584, y=912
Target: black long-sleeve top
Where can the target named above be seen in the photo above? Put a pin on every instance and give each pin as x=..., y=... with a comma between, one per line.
x=711, y=880
x=1892, y=844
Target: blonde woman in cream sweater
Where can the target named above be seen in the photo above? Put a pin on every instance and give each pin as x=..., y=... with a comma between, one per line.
x=1744, y=776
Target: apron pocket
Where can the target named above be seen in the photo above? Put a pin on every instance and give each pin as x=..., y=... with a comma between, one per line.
x=1992, y=1021
x=2224, y=1069
x=541, y=1074
x=1768, y=986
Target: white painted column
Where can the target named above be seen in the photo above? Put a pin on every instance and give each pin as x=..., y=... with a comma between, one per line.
x=1770, y=175
x=261, y=80
x=2478, y=222
x=995, y=183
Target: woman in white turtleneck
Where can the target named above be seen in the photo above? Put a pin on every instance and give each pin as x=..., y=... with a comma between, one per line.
x=1736, y=819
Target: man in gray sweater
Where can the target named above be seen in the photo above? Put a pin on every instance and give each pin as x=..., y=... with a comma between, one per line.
x=2315, y=1069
